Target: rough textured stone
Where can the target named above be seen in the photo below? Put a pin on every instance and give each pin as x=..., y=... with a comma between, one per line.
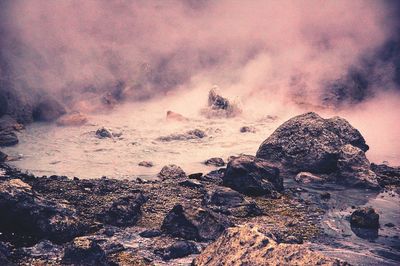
x=310, y=143
x=386, y=175
x=365, y=218
x=193, y=223
x=252, y=176
x=248, y=245
x=215, y=161
x=354, y=168
x=179, y=249
x=191, y=134
x=103, y=133
x=171, y=171
x=247, y=129
x=219, y=106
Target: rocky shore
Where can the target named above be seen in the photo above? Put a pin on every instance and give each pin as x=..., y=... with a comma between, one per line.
x=243, y=213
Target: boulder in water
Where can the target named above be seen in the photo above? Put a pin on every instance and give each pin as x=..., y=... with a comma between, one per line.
x=219, y=106
x=310, y=143
x=247, y=129
x=215, y=161
x=171, y=171
x=252, y=176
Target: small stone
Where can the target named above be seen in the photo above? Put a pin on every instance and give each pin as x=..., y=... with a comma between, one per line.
x=247, y=129
x=103, y=133
x=146, y=164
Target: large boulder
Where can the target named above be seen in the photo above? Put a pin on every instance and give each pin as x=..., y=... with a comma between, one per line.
x=230, y=202
x=310, y=143
x=365, y=218
x=47, y=110
x=188, y=135
x=249, y=245
x=194, y=223
x=26, y=215
x=354, y=168
x=252, y=176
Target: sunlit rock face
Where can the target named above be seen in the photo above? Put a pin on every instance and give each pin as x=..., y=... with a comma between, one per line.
x=310, y=143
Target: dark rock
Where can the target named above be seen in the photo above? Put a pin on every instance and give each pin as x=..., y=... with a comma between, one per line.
x=45, y=249
x=103, y=133
x=191, y=134
x=146, y=164
x=48, y=110
x=8, y=138
x=354, y=168
x=195, y=176
x=179, y=249
x=310, y=143
x=215, y=161
x=151, y=233
x=3, y=157
x=230, y=202
x=126, y=211
x=193, y=223
x=219, y=106
x=84, y=251
x=191, y=183
x=247, y=129
x=389, y=225
x=365, y=218
x=252, y=176
x=386, y=175
x=171, y=171
x=29, y=217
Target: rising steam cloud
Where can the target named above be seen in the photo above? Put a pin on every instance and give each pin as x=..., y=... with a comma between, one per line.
x=296, y=49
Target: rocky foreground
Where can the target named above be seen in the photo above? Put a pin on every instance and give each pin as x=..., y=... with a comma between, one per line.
x=241, y=214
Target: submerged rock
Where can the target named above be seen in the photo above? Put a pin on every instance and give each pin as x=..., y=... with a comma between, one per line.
x=193, y=223
x=386, y=175
x=103, y=133
x=252, y=176
x=354, y=168
x=215, y=161
x=219, y=106
x=146, y=164
x=191, y=134
x=230, y=202
x=179, y=249
x=48, y=110
x=171, y=171
x=172, y=116
x=310, y=143
x=248, y=245
x=28, y=216
x=72, y=119
x=247, y=129
x=365, y=218
x=8, y=138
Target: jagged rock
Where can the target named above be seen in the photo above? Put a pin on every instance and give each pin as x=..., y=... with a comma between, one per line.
x=8, y=138
x=103, y=133
x=191, y=134
x=247, y=129
x=146, y=164
x=3, y=157
x=193, y=223
x=365, y=218
x=84, y=251
x=219, y=106
x=126, y=211
x=310, y=143
x=306, y=178
x=354, y=168
x=26, y=215
x=47, y=110
x=191, y=183
x=386, y=175
x=72, y=119
x=172, y=116
x=171, y=171
x=179, y=249
x=247, y=245
x=252, y=176
x=230, y=202
x=215, y=161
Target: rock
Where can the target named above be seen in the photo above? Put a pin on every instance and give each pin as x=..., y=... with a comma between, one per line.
x=230, y=202
x=247, y=129
x=172, y=116
x=219, y=106
x=191, y=183
x=179, y=249
x=215, y=161
x=45, y=249
x=247, y=245
x=84, y=251
x=306, y=178
x=354, y=168
x=365, y=218
x=72, y=119
x=171, y=171
x=151, y=233
x=195, y=176
x=252, y=176
x=3, y=157
x=8, y=138
x=7, y=123
x=126, y=211
x=193, y=223
x=191, y=134
x=214, y=176
x=29, y=217
x=47, y=110
x=310, y=143
x=325, y=195
x=146, y=164
x=386, y=175
x=103, y=133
